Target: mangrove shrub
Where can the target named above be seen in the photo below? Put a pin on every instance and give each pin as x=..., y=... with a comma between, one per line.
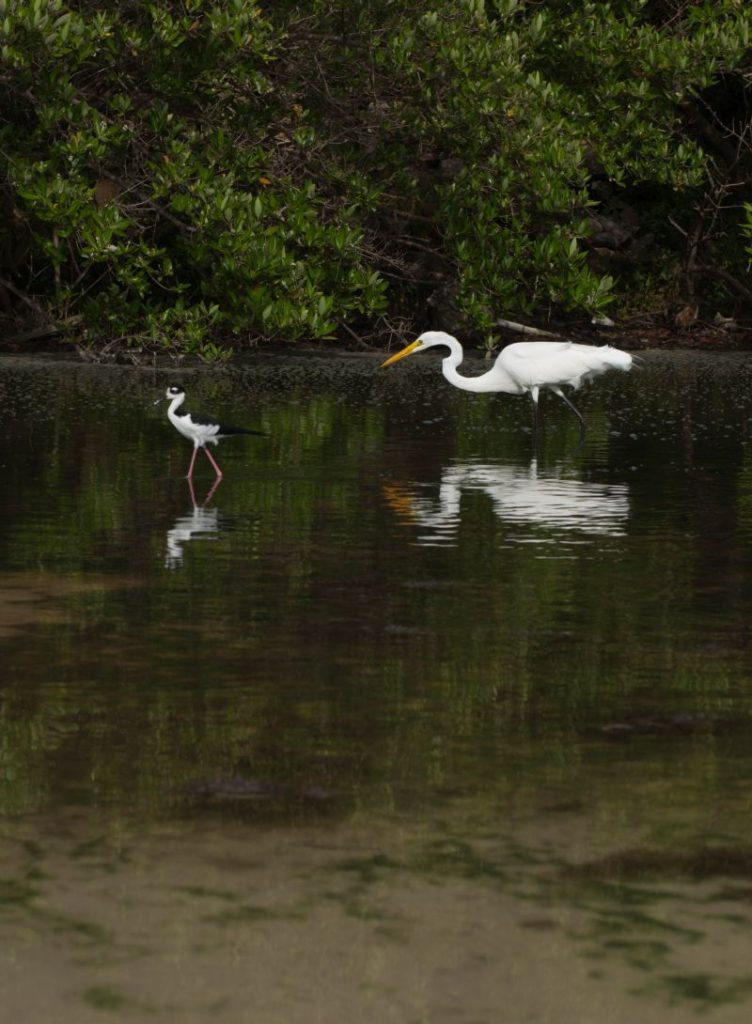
x=197, y=175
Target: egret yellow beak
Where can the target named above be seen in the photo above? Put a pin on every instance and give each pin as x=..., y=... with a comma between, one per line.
x=401, y=354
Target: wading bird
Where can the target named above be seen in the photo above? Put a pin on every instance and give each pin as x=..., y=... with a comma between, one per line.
x=200, y=429
x=526, y=367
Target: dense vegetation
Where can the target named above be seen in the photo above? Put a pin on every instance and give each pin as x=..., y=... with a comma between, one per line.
x=197, y=175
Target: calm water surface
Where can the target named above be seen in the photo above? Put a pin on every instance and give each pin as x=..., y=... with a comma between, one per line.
x=412, y=718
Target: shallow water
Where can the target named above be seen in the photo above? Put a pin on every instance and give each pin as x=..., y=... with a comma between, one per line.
x=413, y=717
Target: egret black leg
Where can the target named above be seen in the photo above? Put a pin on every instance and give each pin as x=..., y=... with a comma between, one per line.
x=534, y=398
x=575, y=410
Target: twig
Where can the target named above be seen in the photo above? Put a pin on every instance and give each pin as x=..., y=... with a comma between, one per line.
x=34, y=306
x=154, y=206
x=723, y=275
x=356, y=337
x=522, y=329
x=48, y=331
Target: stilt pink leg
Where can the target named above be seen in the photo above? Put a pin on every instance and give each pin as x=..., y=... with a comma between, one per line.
x=209, y=456
x=213, y=488
x=215, y=484
x=193, y=460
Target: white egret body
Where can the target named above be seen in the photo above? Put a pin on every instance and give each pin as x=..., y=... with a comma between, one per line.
x=526, y=367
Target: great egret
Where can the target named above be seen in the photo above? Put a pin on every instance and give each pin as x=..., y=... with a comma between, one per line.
x=200, y=429
x=526, y=367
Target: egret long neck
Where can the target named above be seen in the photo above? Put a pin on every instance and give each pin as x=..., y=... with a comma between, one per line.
x=496, y=379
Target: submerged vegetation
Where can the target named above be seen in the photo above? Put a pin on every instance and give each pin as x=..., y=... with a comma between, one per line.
x=198, y=176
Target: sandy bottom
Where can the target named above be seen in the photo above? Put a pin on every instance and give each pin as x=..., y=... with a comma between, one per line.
x=358, y=922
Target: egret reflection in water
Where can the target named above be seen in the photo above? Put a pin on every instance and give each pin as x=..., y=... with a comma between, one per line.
x=519, y=496
x=200, y=522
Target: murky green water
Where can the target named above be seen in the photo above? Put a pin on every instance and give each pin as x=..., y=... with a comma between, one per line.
x=412, y=719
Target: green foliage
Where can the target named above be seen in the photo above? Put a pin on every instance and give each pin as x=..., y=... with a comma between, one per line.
x=189, y=176
x=518, y=108
x=155, y=210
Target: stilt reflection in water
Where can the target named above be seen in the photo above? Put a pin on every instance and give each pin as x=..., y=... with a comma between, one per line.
x=201, y=522
x=519, y=496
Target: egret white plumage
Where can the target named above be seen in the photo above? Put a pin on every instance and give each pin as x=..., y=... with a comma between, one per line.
x=526, y=367
x=200, y=429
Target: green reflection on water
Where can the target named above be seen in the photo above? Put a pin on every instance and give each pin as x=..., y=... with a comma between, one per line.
x=305, y=629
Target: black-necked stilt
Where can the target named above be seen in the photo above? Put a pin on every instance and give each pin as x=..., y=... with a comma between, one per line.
x=200, y=429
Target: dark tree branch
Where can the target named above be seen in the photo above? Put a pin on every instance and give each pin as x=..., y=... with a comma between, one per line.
x=723, y=275
x=27, y=301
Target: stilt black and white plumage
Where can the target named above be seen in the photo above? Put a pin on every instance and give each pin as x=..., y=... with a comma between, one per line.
x=199, y=428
